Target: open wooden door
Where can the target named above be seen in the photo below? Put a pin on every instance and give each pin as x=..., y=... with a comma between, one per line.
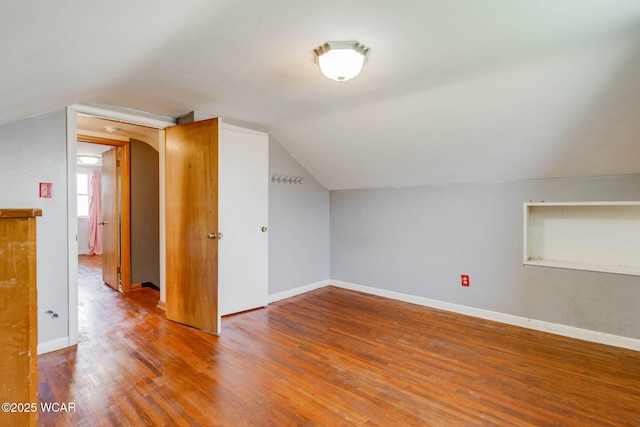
x=110, y=219
x=191, y=184
x=116, y=218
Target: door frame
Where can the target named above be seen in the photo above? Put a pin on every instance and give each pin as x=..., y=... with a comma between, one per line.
x=125, y=204
x=125, y=115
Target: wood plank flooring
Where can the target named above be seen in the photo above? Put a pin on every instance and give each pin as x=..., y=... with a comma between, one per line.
x=329, y=357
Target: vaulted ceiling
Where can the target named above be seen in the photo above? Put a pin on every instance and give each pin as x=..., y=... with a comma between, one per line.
x=454, y=91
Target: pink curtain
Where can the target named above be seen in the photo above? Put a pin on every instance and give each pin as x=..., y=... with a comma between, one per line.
x=95, y=213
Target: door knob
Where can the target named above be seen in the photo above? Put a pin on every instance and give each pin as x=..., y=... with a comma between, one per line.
x=264, y=229
x=102, y=223
x=211, y=235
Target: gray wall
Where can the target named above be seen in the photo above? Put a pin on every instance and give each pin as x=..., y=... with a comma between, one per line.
x=418, y=241
x=145, y=213
x=298, y=226
x=411, y=240
x=34, y=150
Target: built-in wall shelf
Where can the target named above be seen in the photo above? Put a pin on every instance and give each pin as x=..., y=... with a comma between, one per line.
x=592, y=236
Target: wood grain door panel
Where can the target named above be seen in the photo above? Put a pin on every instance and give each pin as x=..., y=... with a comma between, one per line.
x=191, y=183
x=110, y=218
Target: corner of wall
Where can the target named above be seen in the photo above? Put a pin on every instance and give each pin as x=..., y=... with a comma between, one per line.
x=298, y=224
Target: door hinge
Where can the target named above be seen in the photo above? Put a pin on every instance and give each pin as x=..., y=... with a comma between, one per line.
x=118, y=271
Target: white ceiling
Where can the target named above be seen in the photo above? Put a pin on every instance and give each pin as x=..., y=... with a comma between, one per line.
x=454, y=90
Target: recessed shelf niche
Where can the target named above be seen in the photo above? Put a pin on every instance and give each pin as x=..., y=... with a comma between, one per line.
x=592, y=236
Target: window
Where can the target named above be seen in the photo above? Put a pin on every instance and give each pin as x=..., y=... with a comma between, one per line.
x=83, y=194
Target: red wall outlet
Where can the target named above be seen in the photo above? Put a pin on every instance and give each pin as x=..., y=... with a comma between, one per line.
x=464, y=278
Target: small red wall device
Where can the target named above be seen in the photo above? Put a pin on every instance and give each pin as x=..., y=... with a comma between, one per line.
x=45, y=190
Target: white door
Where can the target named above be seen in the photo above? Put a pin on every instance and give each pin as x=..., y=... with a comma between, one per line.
x=243, y=190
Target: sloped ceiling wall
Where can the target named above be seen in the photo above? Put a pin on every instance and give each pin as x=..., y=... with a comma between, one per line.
x=462, y=91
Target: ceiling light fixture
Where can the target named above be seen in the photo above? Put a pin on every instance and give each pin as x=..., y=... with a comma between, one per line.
x=341, y=61
x=86, y=159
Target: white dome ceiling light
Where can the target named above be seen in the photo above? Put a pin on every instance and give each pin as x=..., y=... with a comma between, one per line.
x=341, y=61
x=88, y=159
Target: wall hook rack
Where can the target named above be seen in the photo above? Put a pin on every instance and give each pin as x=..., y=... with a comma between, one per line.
x=287, y=179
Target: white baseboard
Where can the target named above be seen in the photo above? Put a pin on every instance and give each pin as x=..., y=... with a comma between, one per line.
x=297, y=291
x=53, y=345
x=538, y=325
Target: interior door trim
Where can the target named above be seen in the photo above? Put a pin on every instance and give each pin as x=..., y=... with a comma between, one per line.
x=114, y=113
x=125, y=204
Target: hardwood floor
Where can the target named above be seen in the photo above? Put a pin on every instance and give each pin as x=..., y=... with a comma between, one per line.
x=329, y=357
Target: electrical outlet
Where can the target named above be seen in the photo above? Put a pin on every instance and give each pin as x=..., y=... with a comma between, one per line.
x=464, y=278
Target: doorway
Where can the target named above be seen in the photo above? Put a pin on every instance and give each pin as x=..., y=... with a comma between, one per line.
x=90, y=217
x=159, y=123
x=124, y=117
x=112, y=143
x=108, y=208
